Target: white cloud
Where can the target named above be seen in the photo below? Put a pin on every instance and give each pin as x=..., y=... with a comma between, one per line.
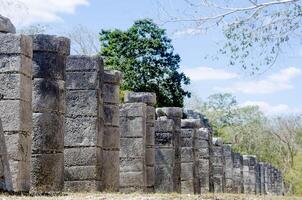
x=187, y=32
x=208, y=73
x=25, y=12
x=269, y=109
x=274, y=83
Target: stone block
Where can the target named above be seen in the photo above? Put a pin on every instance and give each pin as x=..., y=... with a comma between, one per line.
x=82, y=103
x=82, y=186
x=164, y=178
x=82, y=131
x=111, y=93
x=16, y=44
x=84, y=156
x=203, y=133
x=150, y=172
x=18, y=146
x=186, y=142
x=143, y=97
x=132, y=147
x=18, y=115
x=82, y=173
x=82, y=80
x=150, y=115
x=47, y=173
x=16, y=86
x=49, y=65
x=187, y=154
x=131, y=164
x=112, y=137
x=150, y=156
x=110, y=176
x=186, y=171
x=48, y=96
x=187, y=187
x=132, y=179
x=84, y=63
x=51, y=43
x=164, y=156
x=111, y=115
x=169, y=112
x=190, y=123
x=164, y=125
x=15, y=64
x=6, y=26
x=133, y=110
x=164, y=139
x=150, y=136
x=112, y=76
x=48, y=133
x=133, y=126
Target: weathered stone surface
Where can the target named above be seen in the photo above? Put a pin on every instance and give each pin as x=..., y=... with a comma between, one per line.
x=140, y=97
x=82, y=186
x=51, y=43
x=112, y=93
x=6, y=26
x=112, y=76
x=81, y=80
x=131, y=165
x=84, y=63
x=164, y=125
x=132, y=126
x=112, y=138
x=49, y=65
x=163, y=178
x=16, y=44
x=190, y=123
x=132, y=147
x=47, y=172
x=14, y=63
x=132, y=179
x=82, y=103
x=49, y=133
x=111, y=173
x=111, y=115
x=169, y=112
x=82, y=173
x=48, y=96
x=16, y=86
x=82, y=131
x=85, y=156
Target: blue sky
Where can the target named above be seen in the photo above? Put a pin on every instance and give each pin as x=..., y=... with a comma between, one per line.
x=276, y=91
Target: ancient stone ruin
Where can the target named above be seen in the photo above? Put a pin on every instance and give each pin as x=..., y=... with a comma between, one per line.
x=63, y=128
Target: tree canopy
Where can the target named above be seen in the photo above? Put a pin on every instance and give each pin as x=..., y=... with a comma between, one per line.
x=145, y=55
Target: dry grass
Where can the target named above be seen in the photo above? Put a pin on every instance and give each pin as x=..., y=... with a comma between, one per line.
x=136, y=196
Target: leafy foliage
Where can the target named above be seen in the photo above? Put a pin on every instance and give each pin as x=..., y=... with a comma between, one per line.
x=146, y=57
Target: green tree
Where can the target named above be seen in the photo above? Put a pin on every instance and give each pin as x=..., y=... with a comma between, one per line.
x=146, y=57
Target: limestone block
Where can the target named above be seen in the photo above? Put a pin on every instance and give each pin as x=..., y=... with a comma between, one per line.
x=164, y=178
x=150, y=115
x=17, y=115
x=112, y=137
x=133, y=110
x=187, y=154
x=164, y=125
x=82, y=131
x=48, y=133
x=82, y=173
x=164, y=139
x=164, y=156
x=82, y=186
x=132, y=179
x=112, y=76
x=16, y=44
x=187, y=171
x=131, y=164
x=112, y=93
x=16, y=86
x=51, y=43
x=132, y=147
x=150, y=172
x=169, y=112
x=150, y=156
x=111, y=163
x=48, y=96
x=81, y=80
x=111, y=115
x=15, y=64
x=203, y=133
x=133, y=126
x=143, y=97
x=84, y=63
x=47, y=173
x=85, y=156
x=6, y=25
x=203, y=153
x=82, y=103
x=187, y=187
x=49, y=65
x=150, y=136
x=18, y=146
x=190, y=123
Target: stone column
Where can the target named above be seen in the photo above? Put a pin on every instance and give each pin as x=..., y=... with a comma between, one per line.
x=175, y=114
x=268, y=185
x=49, y=65
x=133, y=143
x=189, y=160
x=5, y=175
x=15, y=105
x=111, y=141
x=262, y=177
x=218, y=165
x=164, y=155
x=258, y=178
x=252, y=173
x=246, y=175
x=204, y=151
x=237, y=173
x=84, y=125
x=228, y=168
x=150, y=100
